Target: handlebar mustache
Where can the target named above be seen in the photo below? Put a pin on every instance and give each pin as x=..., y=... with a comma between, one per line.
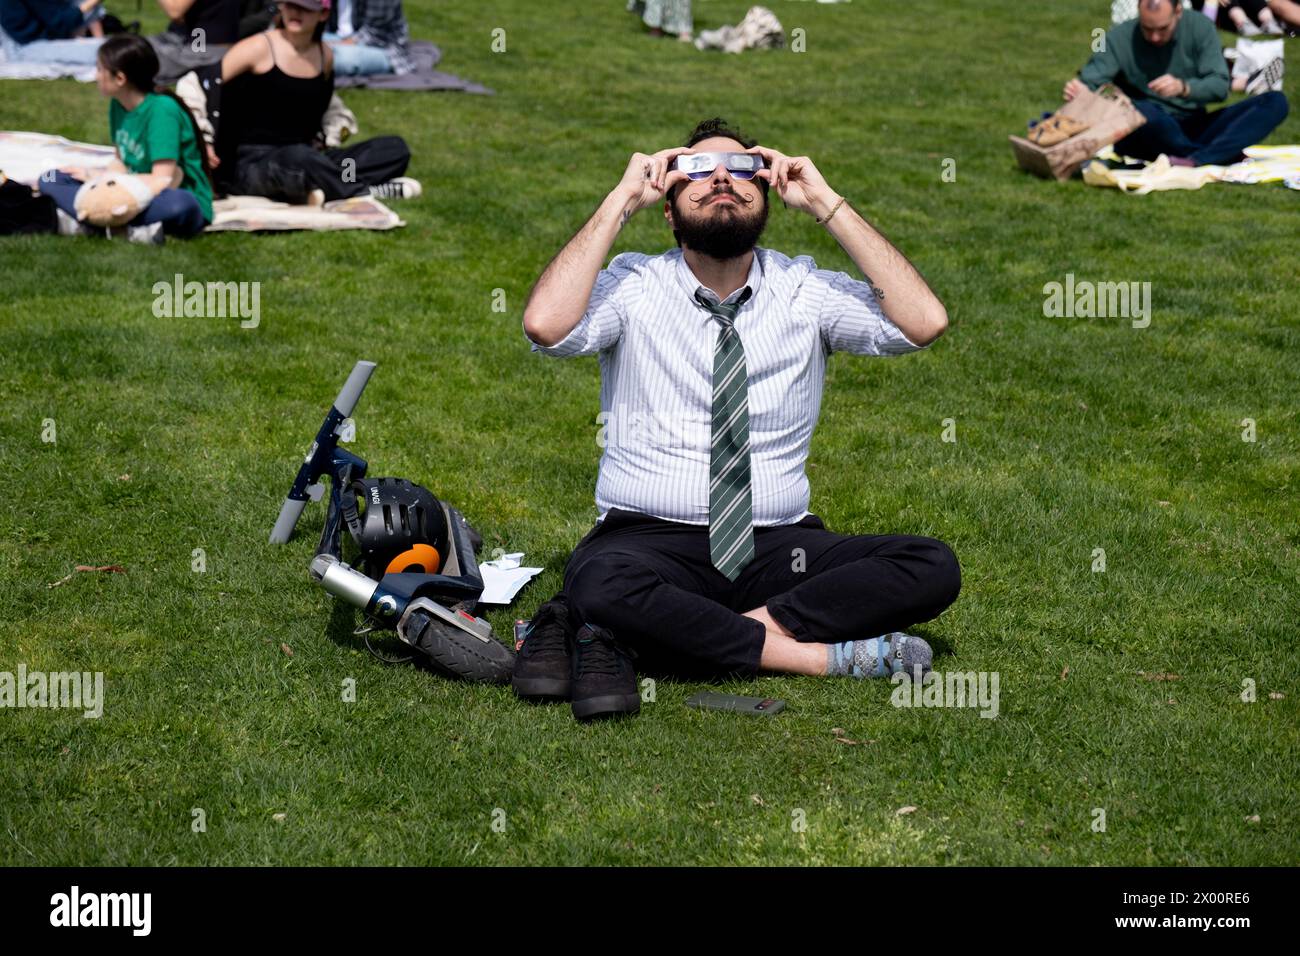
x=720, y=192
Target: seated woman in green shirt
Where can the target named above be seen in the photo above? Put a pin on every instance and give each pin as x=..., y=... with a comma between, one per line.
x=156, y=139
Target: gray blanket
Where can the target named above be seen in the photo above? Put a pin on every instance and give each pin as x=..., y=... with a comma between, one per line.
x=424, y=77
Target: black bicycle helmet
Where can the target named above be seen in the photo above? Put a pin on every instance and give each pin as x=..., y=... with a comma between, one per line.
x=398, y=525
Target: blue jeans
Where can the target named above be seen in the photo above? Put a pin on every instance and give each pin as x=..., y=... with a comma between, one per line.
x=176, y=209
x=82, y=52
x=352, y=59
x=1216, y=138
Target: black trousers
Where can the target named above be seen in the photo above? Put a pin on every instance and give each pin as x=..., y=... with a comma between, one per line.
x=289, y=173
x=652, y=584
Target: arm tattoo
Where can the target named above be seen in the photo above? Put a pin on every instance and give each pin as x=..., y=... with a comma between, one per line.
x=879, y=292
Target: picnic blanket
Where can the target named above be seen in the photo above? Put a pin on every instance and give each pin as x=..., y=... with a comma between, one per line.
x=423, y=77
x=1263, y=164
x=46, y=71
x=24, y=156
x=424, y=54
x=257, y=214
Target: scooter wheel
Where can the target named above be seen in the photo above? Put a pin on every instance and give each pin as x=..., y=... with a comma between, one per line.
x=457, y=652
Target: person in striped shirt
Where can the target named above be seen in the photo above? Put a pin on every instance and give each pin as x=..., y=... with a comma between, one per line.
x=705, y=560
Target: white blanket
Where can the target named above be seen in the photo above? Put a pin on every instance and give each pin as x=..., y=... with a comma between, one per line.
x=1264, y=164
x=24, y=156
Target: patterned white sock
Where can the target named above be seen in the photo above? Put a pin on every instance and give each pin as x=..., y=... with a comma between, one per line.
x=879, y=656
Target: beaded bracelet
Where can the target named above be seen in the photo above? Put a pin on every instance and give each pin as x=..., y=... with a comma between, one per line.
x=833, y=211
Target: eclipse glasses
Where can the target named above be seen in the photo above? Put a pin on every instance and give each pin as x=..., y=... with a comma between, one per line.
x=702, y=165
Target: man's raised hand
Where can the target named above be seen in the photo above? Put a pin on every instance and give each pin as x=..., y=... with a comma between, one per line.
x=647, y=179
x=796, y=181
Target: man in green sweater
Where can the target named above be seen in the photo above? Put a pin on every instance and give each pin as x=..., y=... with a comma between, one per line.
x=1170, y=65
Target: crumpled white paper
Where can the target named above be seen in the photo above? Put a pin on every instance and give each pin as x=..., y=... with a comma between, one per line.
x=503, y=578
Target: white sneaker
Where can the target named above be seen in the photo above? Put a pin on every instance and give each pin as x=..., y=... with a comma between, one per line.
x=1248, y=29
x=151, y=234
x=403, y=187
x=71, y=225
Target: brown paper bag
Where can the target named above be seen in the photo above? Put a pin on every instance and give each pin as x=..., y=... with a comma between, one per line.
x=1110, y=116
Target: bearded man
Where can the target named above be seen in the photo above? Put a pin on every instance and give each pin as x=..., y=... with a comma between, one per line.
x=705, y=560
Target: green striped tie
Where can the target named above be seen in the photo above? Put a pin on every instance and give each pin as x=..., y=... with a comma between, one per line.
x=731, y=510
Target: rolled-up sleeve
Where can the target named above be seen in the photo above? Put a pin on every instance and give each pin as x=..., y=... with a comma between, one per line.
x=601, y=326
x=851, y=319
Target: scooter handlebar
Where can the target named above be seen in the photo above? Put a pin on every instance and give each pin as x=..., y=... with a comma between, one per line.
x=290, y=511
x=317, y=460
x=353, y=387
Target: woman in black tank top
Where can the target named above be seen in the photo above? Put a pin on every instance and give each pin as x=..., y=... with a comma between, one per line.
x=277, y=87
x=274, y=108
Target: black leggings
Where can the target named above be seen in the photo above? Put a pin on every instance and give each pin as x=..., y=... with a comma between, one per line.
x=290, y=173
x=652, y=584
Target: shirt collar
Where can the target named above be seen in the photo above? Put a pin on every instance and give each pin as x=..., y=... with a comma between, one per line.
x=686, y=278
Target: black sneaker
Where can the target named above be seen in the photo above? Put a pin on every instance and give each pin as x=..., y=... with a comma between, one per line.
x=544, y=665
x=604, y=681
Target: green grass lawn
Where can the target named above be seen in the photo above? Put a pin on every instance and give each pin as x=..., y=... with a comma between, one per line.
x=223, y=689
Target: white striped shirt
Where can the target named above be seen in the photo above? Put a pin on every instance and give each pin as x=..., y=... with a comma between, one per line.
x=656, y=348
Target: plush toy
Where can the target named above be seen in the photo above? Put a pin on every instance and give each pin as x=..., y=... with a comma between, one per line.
x=113, y=199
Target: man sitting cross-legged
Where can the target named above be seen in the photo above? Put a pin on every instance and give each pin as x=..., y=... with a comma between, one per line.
x=1170, y=64
x=706, y=560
